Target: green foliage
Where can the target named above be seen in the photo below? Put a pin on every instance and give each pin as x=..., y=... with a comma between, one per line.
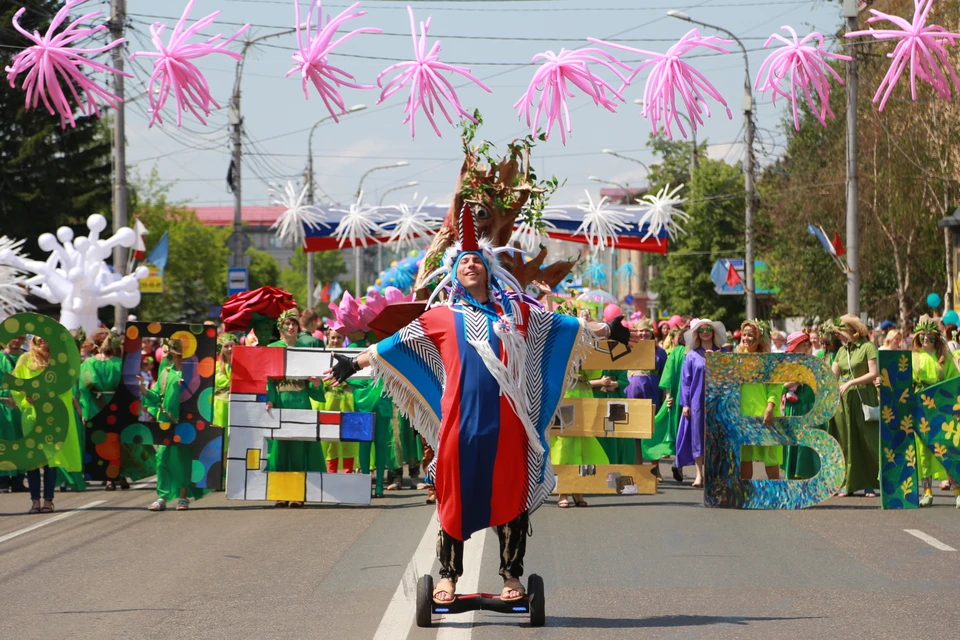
x=48, y=176
x=327, y=267
x=264, y=269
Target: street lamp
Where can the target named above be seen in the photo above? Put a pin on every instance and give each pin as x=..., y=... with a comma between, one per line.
x=611, y=152
x=693, y=138
x=412, y=183
x=356, y=254
x=310, y=186
x=402, y=163
x=624, y=188
x=747, y=106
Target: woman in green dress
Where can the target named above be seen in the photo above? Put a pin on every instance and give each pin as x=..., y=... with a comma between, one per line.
x=800, y=463
x=10, y=412
x=613, y=385
x=221, y=388
x=667, y=420
x=174, y=464
x=338, y=398
x=855, y=366
x=293, y=455
x=932, y=364
x=759, y=399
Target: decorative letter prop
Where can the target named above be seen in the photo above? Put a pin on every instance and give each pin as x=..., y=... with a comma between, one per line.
x=929, y=415
x=50, y=434
x=120, y=422
x=727, y=430
x=251, y=425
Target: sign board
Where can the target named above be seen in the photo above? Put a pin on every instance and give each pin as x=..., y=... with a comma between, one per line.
x=238, y=281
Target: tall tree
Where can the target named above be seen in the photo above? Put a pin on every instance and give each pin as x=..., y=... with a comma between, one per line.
x=48, y=176
x=327, y=267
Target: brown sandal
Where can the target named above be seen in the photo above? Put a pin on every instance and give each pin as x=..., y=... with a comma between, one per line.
x=452, y=592
x=519, y=589
x=431, y=495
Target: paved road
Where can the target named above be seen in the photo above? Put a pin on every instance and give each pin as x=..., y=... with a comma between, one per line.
x=625, y=567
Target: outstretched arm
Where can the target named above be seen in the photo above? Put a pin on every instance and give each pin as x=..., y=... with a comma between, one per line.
x=345, y=366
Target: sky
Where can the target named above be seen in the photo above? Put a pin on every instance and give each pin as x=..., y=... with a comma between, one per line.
x=496, y=39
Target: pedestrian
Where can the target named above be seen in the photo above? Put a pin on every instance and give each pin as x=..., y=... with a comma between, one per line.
x=704, y=335
x=460, y=371
x=892, y=341
x=779, y=341
x=856, y=424
x=759, y=399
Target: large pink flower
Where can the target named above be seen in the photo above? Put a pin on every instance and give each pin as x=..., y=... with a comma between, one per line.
x=50, y=64
x=353, y=315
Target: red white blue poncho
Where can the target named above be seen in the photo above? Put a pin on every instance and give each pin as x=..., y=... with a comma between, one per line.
x=483, y=392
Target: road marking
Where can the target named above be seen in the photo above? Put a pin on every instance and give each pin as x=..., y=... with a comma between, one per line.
x=401, y=612
x=469, y=582
x=930, y=540
x=33, y=527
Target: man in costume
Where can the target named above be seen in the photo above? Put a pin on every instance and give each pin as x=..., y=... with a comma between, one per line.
x=481, y=377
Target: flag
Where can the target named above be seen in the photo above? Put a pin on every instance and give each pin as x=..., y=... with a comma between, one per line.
x=318, y=292
x=838, y=248
x=733, y=278
x=140, y=247
x=324, y=295
x=335, y=291
x=156, y=262
x=822, y=237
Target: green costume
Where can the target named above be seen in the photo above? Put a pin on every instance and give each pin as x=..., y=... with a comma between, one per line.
x=9, y=413
x=174, y=463
x=928, y=371
x=368, y=397
x=667, y=421
x=221, y=397
x=308, y=341
x=579, y=450
x=754, y=399
x=619, y=450
x=339, y=398
x=859, y=439
x=293, y=455
x=801, y=463
x=70, y=456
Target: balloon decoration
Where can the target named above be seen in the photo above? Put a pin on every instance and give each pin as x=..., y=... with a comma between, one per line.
x=933, y=300
x=13, y=284
x=312, y=53
x=670, y=74
x=804, y=65
x=411, y=226
x=951, y=317
x=660, y=213
x=920, y=45
x=611, y=311
x=596, y=273
x=553, y=80
x=174, y=71
x=529, y=237
x=296, y=215
x=51, y=64
x=428, y=88
x=402, y=274
x=601, y=223
x=359, y=224
x=76, y=275
x=624, y=273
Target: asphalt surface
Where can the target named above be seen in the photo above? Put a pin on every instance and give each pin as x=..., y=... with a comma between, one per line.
x=625, y=567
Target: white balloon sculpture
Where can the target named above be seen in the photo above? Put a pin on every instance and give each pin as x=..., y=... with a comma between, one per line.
x=76, y=275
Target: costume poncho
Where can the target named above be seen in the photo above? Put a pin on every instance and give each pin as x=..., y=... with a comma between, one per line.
x=483, y=394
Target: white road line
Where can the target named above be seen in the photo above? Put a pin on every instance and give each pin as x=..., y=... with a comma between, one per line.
x=930, y=540
x=401, y=611
x=33, y=527
x=469, y=582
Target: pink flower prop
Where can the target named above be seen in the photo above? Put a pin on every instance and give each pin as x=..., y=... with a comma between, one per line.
x=671, y=74
x=51, y=62
x=352, y=316
x=920, y=45
x=552, y=79
x=311, y=58
x=806, y=68
x=428, y=89
x=174, y=71
x=346, y=316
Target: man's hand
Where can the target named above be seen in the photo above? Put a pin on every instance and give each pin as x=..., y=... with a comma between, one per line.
x=623, y=335
x=343, y=368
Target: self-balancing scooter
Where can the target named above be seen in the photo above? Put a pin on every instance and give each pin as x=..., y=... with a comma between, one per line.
x=532, y=603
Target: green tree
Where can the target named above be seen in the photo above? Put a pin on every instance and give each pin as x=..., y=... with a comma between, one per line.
x=48, y=176
x=327, y=267
x=264, y=269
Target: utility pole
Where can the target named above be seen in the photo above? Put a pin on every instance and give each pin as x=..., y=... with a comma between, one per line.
x=853, y=191
x=309, y=179
x=118, y=15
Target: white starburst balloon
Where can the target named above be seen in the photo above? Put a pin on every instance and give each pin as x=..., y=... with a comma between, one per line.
x=76, y=275
x=529, y=237
x=292, y=223
x=411, y=225
x=601, y=223
x=660, y=212
x=360, y=224
x=13, y=283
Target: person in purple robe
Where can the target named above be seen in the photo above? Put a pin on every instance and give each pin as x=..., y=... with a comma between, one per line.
x=703, y=335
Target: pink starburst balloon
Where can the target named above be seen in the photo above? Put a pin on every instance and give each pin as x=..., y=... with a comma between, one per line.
x=174, y=72
x=806, y=69
x=311, y=58
x=669, y=74
x=428, y=89
x=921, y=46
x=555, y=75
x=51, y=63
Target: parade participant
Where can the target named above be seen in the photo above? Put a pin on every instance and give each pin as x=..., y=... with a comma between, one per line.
x=31, y=365
x=221, y=386
x=799, y=462
x=704, y=335
x=667, y=420
x=293, y=455
x=308, y=326
x=481, y=377
x=855, y=365
x=338, y=398
x=759, y=399
x=646, y=385
x=932, y=364
x=9, y=412
x=173, y=463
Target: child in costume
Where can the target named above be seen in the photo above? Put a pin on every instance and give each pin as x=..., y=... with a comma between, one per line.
x=759, y=399
x=482, y=376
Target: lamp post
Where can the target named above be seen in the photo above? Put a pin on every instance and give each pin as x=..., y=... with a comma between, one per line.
x=747, y=107
x=850, y=13
x=693, y=138
x=412, y=183
x=611, y=152
x=310, y=187
x=356, y=250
